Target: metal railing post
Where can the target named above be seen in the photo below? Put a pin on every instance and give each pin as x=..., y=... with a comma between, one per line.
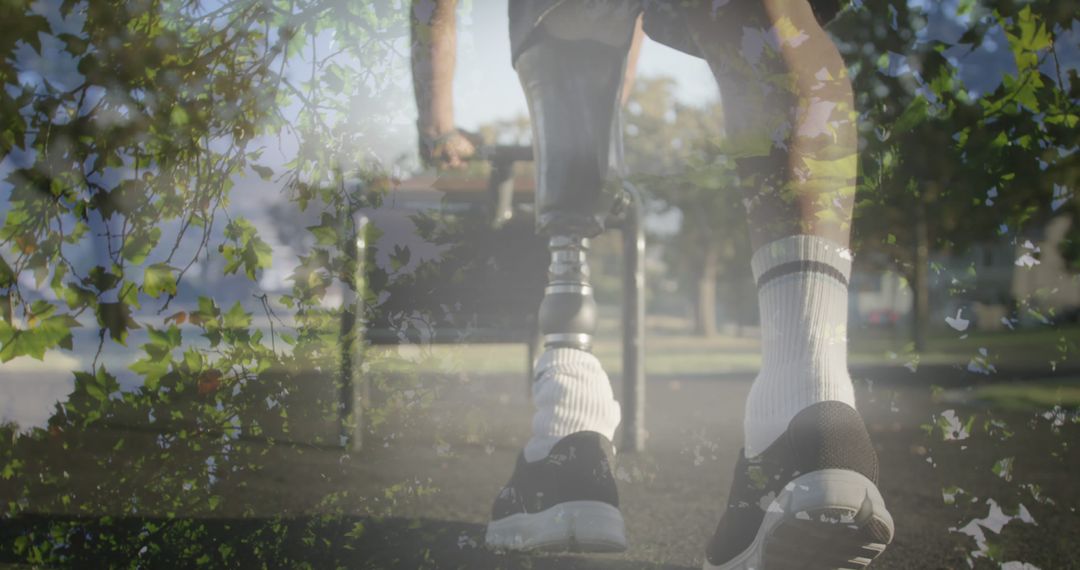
x=633, y=305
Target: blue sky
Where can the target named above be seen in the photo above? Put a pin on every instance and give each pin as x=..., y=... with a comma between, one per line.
x=487, y=89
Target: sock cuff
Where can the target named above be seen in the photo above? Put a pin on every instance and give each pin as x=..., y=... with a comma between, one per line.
x=571, y=393
x=798, y=253
x=567, y=359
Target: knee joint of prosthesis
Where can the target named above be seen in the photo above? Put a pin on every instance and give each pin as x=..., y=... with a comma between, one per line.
x=568, y=310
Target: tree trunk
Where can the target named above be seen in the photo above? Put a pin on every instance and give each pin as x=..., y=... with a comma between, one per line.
x=705, y=317
x=920, y=285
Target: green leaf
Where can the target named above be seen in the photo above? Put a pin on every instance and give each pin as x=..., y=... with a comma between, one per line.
x=56, y=331
x=40, y=309
x=5, y=312
x=77, y=297
x=263, y=257
x=236, y=318
x=193, y=360
x=264, y=172
x=22, y=343
x=129, y=294
x=1033, y=34
x=151, y=369
x=39, y=263
x=324, y=235
x=46, y=334
x=883, y=61
x=207, y=312
x=7, y=275
x=57, y=282
x=1004, y=468
x=178, y=116
x=249, y=251
x=116, y=319
x=913, y=115
x=98, y=386
x=139, y=244
x=101, y=279
x=157, y=279
x=1024, y=89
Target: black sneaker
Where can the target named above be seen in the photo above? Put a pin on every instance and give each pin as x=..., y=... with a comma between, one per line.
x=566, y=501
x=810, y=501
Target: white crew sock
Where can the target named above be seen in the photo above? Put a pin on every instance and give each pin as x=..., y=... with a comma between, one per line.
x=571, y=393
x=802, y=293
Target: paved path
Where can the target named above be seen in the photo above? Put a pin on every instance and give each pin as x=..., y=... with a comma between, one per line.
x=422, y=487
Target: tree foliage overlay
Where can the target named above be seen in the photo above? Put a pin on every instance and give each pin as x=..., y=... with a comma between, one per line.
x=123, y=125
x=968, y=115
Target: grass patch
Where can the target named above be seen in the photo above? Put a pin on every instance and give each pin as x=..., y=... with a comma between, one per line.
x=1028, y=396
x=1031, y=348
x=673, y=353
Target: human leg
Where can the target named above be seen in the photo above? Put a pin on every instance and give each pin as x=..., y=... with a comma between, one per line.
x=789, y=121
x=790, y=124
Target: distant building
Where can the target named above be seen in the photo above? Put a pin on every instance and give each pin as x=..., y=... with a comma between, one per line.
x=983, y=284
x=878, y=298
x=1048, y=283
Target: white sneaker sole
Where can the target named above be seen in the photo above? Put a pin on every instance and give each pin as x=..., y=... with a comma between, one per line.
x=582, y=526
x=824, y=520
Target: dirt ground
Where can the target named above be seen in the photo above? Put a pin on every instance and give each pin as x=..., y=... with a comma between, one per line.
x=457, y=454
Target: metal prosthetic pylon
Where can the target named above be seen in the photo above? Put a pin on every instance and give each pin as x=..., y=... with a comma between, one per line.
x=568, y=310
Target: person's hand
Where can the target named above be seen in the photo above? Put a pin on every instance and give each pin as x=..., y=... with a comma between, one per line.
x=452, y=149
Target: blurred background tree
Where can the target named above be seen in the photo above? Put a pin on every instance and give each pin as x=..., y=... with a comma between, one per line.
x=968, y=116
x=968, y=124
x=123, y=128
x=674, y=152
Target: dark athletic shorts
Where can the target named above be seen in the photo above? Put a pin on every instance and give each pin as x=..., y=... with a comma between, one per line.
x=663, y=20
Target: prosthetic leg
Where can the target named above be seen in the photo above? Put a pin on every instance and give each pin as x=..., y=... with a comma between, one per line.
x=572, y=88
x=563, y=492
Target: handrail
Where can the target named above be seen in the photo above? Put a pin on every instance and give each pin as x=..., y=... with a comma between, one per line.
x=504, y=153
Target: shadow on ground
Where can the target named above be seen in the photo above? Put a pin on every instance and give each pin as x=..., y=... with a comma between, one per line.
x=404, y=543
x=318, y=542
